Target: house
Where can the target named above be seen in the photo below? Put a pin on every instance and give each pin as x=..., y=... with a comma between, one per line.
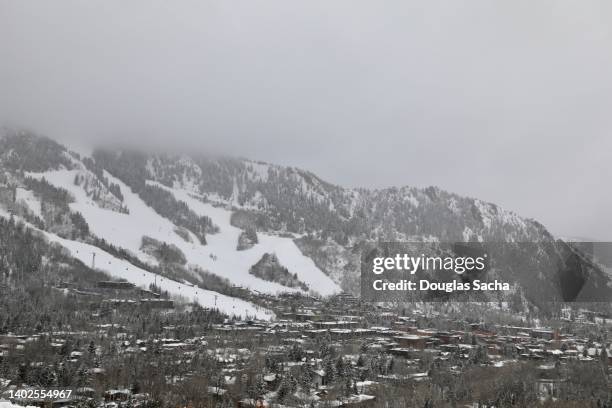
x=117, y=395
x=543, y=334
x=318, y=378
x=412, y=341
x=271, y=381
x=448, y=338
x=358, y=400
x=367, y=386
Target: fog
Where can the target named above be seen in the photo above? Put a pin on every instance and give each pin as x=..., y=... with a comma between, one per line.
x=505, y=101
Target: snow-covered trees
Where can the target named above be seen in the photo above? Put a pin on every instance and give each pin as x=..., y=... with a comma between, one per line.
x=269, y=268
x=247, y=239
x=165, y=253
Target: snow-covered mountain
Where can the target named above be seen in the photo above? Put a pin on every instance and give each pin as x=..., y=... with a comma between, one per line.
x=204, y=222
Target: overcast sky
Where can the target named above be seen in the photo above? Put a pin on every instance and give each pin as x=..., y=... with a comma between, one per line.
x=507, y=101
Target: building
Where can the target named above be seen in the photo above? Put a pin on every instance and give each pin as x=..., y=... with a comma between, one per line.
x=115, y=285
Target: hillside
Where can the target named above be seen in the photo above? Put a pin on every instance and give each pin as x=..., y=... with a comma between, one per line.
x=203, y=206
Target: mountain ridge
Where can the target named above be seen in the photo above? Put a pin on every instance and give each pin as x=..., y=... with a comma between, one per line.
x=291, y=207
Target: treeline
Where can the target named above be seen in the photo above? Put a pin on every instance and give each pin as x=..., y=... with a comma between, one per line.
x=132, y=169
x=164, y=203
x=20, y=251
x=48, y=193
x=290, y=199
x=28, y=280
x=56, y=213
x=293, y=200
x=92, y=166
x=23, y=151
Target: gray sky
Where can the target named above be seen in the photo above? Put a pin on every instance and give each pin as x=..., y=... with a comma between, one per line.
x=507, y=101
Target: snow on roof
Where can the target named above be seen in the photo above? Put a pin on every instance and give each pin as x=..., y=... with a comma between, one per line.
x=411, y=337
x=269, y=377
x=9, y=404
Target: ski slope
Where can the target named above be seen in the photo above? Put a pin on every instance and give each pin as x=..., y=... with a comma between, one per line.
x=219, y=256
x=223, y=246
x=122, y=269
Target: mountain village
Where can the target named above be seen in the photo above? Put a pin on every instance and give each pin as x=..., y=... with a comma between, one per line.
x=316, y=353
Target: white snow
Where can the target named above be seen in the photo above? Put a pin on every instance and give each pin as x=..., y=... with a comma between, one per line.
x=219, y=256
x=233, y=262
x=9, y=404
x=123, y=269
